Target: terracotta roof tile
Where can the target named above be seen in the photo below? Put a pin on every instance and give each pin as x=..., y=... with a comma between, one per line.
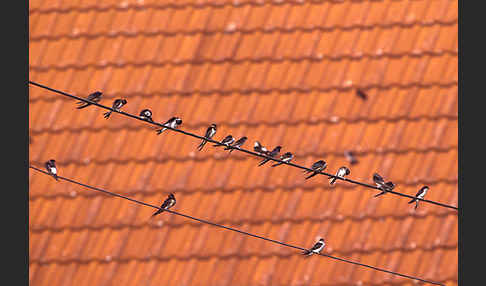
x=282, y=73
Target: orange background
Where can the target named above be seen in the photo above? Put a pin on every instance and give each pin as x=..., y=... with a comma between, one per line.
x=280, y=72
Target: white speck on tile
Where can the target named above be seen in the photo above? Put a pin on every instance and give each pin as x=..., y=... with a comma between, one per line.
x=231, y=27
x=348, y=83
x=108, y=258
x=334, y=119
x=73, y=194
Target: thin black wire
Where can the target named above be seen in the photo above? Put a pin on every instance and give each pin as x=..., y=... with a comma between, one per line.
x=232, y=229
x=239, y=149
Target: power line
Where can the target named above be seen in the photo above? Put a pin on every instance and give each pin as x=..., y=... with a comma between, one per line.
x=233, y=229
x=240, y=149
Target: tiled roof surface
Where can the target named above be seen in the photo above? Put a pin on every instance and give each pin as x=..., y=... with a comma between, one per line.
x=281, y=72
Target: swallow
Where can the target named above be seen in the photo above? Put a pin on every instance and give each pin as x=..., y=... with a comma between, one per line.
x=51, y=168
x=167, y=204
x=95, y=97
x=228, y=140
x=350, y=157
x=174, y=122
x=317, y=167
x=361, y=94
x=146, y=114
x=271, y=154
x=341, y=172
x=380, y=183
x=209, y=134
x=117, y=104
x=318, y=246
x=285, y=157
x=421, y=194
x=257, y=147
x=237, y=144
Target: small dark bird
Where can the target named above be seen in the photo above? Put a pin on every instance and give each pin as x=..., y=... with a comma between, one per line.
x=174, y=122
x=257, y=147
x=317, y=167
x=237, y=144
x=51, y=168
x=272, y=154
x=95, y=97
x=228, y=140
x=380, y=183
x=167, y=204
x=361, y=94
x=421, y=194
x=341, y=172
x=146, y=114
x=209, y=134
x=350, y=157
x=117, y=104
x=285, y=157
x=318, y=246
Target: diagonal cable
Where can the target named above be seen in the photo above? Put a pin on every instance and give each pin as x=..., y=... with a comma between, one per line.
x=234, y=229
x=239, y=149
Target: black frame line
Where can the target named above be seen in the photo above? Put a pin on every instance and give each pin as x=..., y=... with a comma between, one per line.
x=234, y=229
x=239, y=149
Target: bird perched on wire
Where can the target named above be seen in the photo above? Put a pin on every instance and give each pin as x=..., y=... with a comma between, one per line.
x=209, y=134
x=257, y=147
x=350, y=157
x=95, y=97
x=361, y=94
x=237, y=144
x=51, y=168
x=174, y=122
x=272, y=154
x=316, y=249
x=228, y=140
x=380, y=183
x=117, y=104
x=146, y=114
x=420, y=194
x=285, y=157
x=341, y=172
x=167, y=204
x=317, y=167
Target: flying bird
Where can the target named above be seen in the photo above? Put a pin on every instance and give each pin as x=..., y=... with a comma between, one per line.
x=420, y=194
x=209, y=134
x=228, y=140
x=237, y=144
x=167, y=204
x=257, y=147
x=272, y=154
x=146, y=114
x=51, y=168
x=317, y=167
x=95, y=97
x=350, y=157
x=318, y=246
x=361, y=94
x=174, y=122
x=285, y=157
x=341, y=172
x=117, y=104
x=380, y=183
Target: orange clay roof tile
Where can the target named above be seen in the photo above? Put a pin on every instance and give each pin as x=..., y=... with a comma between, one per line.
x=282, y=73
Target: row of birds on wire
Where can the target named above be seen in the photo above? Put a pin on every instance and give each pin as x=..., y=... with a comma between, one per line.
x=231, y=143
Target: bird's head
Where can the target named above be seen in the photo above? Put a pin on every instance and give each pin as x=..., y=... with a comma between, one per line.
x=213, y=126
x=52, y=161
x=171, y=195
x=124, y=101
x=178, y=121
x=347, y=171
